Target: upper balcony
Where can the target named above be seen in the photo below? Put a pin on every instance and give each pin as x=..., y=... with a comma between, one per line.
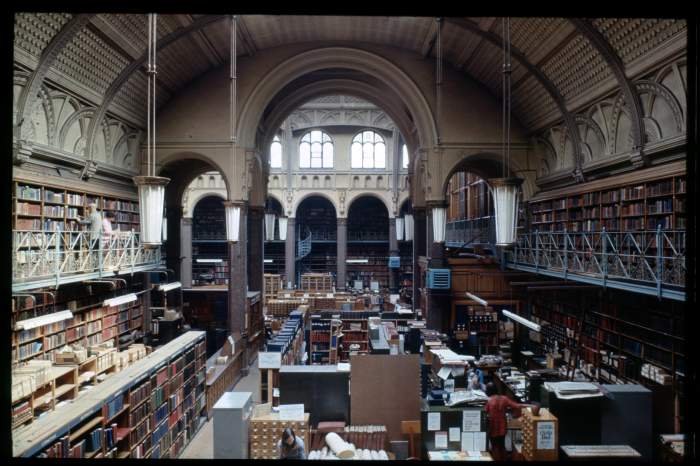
x=52, y=258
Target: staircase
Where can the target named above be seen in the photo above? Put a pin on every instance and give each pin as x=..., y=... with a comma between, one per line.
x=304, y=246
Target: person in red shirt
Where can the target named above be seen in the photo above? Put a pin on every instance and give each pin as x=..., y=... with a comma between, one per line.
x=496, y=409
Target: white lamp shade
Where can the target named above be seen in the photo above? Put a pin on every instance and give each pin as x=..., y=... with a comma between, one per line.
x=151, y=197
x=164, y=236
x=439, y=222
x=35, y=322
x=270, y=227
x=408, y=225
x=506, y=196
x=399, y=228
x=233, y=221
x=283, y=228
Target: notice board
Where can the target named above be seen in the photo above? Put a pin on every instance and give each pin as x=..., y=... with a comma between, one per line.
x=385, y=390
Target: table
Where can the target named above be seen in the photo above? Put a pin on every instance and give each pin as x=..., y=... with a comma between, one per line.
x=450, y=455
x=600, y=451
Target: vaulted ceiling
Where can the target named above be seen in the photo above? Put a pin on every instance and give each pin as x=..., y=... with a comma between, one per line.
x=581, y=60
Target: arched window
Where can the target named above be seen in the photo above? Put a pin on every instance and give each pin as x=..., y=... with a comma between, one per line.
x=276, y=153
x=368, y=150
x=404, y=156
x=316, y=150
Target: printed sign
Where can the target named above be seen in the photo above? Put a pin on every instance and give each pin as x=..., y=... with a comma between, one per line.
x=270, y=360
x=471, y=420
x=545, y=435
x=292, y=412
x=433, y=421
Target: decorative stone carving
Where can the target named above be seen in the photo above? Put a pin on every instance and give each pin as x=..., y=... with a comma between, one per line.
x=89, y=169
x=21, y=152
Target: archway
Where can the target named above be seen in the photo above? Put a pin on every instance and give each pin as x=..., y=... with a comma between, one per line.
x=368, y=243
x=273, y=261
x=316, y=222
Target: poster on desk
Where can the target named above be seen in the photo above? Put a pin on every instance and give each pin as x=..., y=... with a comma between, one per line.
x=545, y=435
x=471, y=420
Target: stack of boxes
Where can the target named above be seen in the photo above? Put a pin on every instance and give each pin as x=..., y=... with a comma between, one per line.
x=540, y=435
x=656, y=374
x=266, y=430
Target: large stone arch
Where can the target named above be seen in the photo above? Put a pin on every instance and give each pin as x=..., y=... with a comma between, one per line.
x=277, y=198
x=189, y=203
x=166, y=157
x=251, y=113
x=385, y=200
x=303, y=197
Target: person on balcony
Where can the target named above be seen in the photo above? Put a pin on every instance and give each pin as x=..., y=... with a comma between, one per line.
x=107, y=232
x=94, y=219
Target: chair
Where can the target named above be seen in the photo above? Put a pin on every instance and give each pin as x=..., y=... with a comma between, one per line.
x=411, y=428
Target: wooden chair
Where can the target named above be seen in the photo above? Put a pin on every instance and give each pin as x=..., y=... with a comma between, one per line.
x=412, y=428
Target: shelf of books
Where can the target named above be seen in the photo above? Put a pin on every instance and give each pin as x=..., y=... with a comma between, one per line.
x=151, y=409
x=641, y=206
x=43, y=207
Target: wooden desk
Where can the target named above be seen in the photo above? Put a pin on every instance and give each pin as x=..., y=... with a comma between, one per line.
x=600, y=451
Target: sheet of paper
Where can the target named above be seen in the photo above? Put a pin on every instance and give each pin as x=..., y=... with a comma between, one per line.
x=454, y=434
x=474, y=454
x=441, y=440
x=467, y=441
x=480, y=441
x=457, y=371
x=276, y=392
x=545, y=435
x=292, y=412
x=471, y=420
x=444, y=372
x=433, y=421
x=344, y=366
x=269, y=360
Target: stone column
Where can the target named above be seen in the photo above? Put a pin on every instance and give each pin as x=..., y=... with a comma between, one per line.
x=393, y=251
x=237, y=285
x=418, y=250
x=342, y=242
x=437, y=301
x=289, y=252
x=255, y=248
x=186, y=252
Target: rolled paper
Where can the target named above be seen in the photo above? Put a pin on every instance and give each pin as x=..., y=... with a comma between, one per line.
x=339, y=447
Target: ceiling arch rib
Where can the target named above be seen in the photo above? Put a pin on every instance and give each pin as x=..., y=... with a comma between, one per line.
x=615, y=63
x=47, y=59
x=126, y=73
x=548, y=85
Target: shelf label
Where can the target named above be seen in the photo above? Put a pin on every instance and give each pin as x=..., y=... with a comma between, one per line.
x=269, y=360
x=293, y=412
x=545, y=435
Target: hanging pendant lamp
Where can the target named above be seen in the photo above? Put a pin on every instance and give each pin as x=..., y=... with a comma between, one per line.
x=233, y=210
x=439, y=224
x=270, y=226
x=233, y=220
x=151, y=188
x=164, y=236
x=506, y=190
x=408, y=225
x=399, y=228
x=282, y=221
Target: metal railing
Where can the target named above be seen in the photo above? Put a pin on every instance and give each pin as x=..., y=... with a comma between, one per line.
x=304, y=246
x=50, y=258
x=478, y=230
x=651, y=262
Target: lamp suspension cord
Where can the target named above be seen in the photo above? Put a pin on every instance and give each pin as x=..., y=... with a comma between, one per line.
x=148, y=97
x=438, y=73
x=151, y=97
x=506, y=97
x=234, y=20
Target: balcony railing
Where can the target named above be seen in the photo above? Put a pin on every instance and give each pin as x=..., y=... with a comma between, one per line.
x=650, y=262
x=51, y=258
x=478, y=230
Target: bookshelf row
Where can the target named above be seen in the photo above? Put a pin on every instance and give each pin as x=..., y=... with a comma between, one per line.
x=37, y=207
x=152, y=410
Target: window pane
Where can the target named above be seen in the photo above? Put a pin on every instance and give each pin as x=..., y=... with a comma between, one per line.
x=368, y=155
x=304, y=155
x=315, y=161
x=326, y=138
x=356, y=155
x=404, y=151
x=328, y=155
x=306, y=138
x=315, y=136
x=315, y=149
x=379, y=155
x=276, y=155
x=368, y=136
x=378, y=138
x=357, y=138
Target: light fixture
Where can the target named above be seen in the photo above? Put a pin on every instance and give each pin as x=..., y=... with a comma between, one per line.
x=164, y=236
x=209, y=261
x=267, y=261
x=408, y=225
x=477, y=299
x=151, y=188
x=233, y=220
x=127, y=298
x=506, y=190
x=282, y=221
x=35, y=322
x=527, y=323
x=399, y=228
x=439, y=223
x=356, y=261
x=169, y=286
x=270, y=227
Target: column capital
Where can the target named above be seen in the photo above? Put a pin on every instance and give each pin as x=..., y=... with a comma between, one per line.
x=342, y=221
x=435, y=203
x=186, y=220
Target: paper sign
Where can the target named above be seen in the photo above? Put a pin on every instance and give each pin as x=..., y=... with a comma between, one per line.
x=292, y=412
x=441, y=440
x=444, y=372
x=344, y=366
x=394, y=349
x=467, y=441
x=270, y=360
x=433, y=421
x=450, y=385
x=275, y=392
x=454, y=434
x=471, y=420
x=545, y=436
x=480, y=441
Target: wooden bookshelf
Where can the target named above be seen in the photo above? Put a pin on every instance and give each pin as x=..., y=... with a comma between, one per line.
x=117, y=419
